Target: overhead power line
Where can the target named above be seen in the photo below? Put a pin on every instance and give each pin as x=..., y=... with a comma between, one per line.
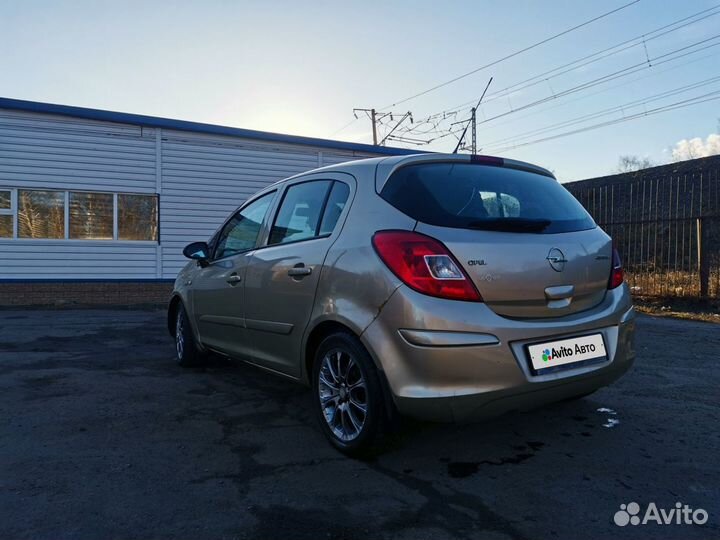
x=350, y=123
x=657, y=60
x=377, y=119
x=430, y=128
x=406, y=116
x=604, y=112
x=514, y=54
x=588, y=59
x=711, y=96
x=566, y=102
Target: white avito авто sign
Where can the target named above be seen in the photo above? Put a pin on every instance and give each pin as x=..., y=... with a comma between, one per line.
x=567, y=351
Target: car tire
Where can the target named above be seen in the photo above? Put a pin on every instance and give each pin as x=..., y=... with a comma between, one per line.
x=186, y=350
x=345, y=380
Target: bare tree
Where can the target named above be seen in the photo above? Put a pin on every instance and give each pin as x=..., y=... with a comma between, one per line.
x=41, y=214
x=633, y=163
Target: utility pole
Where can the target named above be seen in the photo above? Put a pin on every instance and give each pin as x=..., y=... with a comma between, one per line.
x=472, y=120
x=405, y=116
x=473, y=144
x=377, y=117
x=373, y=119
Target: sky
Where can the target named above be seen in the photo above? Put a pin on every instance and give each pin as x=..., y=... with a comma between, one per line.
x=301, y=68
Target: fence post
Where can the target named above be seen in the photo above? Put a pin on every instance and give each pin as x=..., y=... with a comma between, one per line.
x=703, y=262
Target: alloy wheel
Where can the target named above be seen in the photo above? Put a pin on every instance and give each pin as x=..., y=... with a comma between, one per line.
x=343, y=394
x=180, y=335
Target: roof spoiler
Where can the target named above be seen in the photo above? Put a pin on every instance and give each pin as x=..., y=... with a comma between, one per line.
x=389, y=165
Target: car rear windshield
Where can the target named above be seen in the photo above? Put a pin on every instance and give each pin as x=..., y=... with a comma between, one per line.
x=471, y=196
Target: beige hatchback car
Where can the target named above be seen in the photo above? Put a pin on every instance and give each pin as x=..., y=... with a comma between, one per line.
x=445, y=287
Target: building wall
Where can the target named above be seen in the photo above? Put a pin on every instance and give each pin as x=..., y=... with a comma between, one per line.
x=85, y=293
x=205, y=177
x=200, y=179
x=41, y=151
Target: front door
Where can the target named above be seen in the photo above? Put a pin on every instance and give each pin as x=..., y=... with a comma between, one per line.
x=218, y=298
x=282, y=276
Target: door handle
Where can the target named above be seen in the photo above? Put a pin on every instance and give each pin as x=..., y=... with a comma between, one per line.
x=300, y=270
x=234, y=279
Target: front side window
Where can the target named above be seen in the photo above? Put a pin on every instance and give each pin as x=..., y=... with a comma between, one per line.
x=41, y=214
x=241, y=232
x=299, y=215
x=137, y=217
x=91, y=216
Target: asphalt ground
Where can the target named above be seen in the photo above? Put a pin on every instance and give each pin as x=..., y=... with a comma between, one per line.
x=102, y=435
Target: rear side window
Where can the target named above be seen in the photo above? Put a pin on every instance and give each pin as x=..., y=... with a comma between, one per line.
x=472, y=196
x=300, y=211
x=334, y=207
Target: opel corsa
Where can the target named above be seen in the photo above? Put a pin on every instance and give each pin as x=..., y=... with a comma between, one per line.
x=444, y=287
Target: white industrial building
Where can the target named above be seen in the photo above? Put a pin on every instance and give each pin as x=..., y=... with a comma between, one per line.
x=90, y=196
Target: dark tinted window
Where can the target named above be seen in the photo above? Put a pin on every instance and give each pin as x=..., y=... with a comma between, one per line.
x=299, y=214
x=464, y=195
x=241, y=232
x=335, y=204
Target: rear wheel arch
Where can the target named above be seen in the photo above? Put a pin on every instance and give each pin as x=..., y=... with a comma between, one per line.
x=316, y=336
x=328, y=327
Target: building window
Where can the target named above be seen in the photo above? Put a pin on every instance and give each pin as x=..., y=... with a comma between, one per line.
x=6, y=226
x=75, y=215
x=137, y=217
x=41, y=214
x=6, y=214
x=91, y=216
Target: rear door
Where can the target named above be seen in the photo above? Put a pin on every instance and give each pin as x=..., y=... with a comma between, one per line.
x=282, y=276
x=530, y=248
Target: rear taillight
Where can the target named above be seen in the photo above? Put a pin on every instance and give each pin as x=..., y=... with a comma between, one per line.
x=424, y=264
x=616, y=274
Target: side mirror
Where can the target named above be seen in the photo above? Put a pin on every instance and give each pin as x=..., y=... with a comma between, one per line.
x=198, y=251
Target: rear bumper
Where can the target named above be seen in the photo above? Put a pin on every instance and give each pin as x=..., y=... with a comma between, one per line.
x=459, y=361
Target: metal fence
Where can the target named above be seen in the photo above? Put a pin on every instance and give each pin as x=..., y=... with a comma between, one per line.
x=668, y=257
x=665, y=222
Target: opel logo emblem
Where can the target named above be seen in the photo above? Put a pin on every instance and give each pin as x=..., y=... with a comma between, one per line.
x=557, y=260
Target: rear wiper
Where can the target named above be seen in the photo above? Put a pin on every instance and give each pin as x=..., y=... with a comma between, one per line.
x=510, y=224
